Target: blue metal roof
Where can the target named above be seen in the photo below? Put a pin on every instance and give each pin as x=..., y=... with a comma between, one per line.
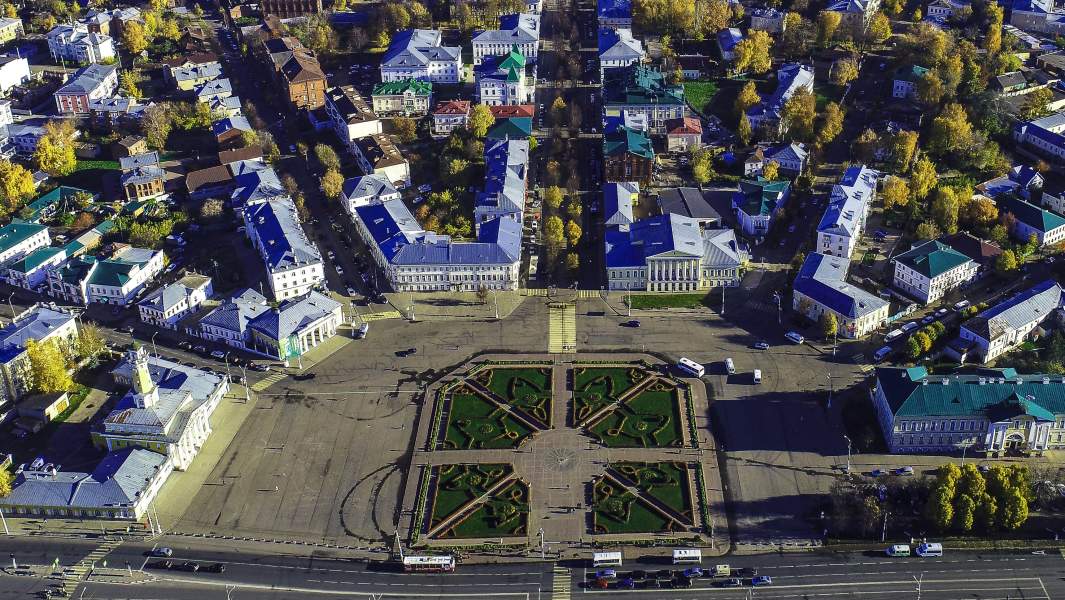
x=824, y=280
x=615, y=9
x=651, y=237
x=283, y=242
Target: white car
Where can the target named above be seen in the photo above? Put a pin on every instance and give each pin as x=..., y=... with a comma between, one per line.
x=961, y=305
x=425, y=187
x=340, y=269
x=794, y=337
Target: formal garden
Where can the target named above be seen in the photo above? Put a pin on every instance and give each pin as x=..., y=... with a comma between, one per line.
x=596, y=387
x=527, y=389
x=460, y=508
x=628, y=407
x=474, y=422
x=642, y=498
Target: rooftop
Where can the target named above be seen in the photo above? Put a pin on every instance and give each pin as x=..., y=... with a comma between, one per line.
x=294, y=315
x=932, y=258
x=282, y=240
x=823, y=278
x=994, y=394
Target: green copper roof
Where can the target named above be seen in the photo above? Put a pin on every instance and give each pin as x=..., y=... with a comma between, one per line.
x=638, y=85
x=759, y=196
x=932, y=258
x=394, y=88
x=1030, y=214
x=513, y=128
x=513, y=60
x=628, y=140
x=913, y=393
x=15, y=233
x=35, y=259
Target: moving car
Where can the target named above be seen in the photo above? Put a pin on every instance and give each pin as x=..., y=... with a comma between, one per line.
x=218, y=354
x=161, y=551
x=898, y=550
x=732, y=582
x=762, y=580
x=362, y=331
x=606, y=574
x=904, y=471
x=930, y=549
x=882, y=353
x=632, y=323
x=215, y=568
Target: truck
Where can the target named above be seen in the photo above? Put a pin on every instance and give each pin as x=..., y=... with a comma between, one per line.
x=722, y=571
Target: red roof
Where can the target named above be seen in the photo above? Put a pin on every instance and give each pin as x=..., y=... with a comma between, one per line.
x=684, y=126
x=452, y=107
x=512, y=110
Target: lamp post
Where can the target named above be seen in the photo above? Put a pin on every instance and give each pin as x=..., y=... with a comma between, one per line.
x=830, y=389
x=9, y=305
x=155, y=350
x=845, y=437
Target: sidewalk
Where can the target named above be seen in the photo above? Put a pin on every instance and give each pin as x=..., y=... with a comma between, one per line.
x=438, y=306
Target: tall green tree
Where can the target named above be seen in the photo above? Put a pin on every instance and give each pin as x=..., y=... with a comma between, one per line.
x=481, y=120
x=48, y=367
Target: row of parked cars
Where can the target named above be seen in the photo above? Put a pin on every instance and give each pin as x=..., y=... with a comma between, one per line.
x=721, y=576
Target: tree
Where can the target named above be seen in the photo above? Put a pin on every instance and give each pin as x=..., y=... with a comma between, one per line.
x=927, y=231
x=288, y=182
x=844, y=71
x=896, y=192
x=747, y=98
x=406, y=129
x=903, y=147
x=939, y=511
x=771, y=170
x=799, y=113
x=951, y=130
x=55, y=149
x=831, y=124
x=986, y=514
x=573, y=233
x=865, y=145
x=971, y=482
x=332, y=184
x=558, y=111
x=133, y=38
x=979, y=213
x=923, y=339
x=481, y=120
x=574, y=210
x=744, y=129
x=828, y=324
x=945, y=210
x=754, y=53
x=702, y=166
x=1006, y=263
x=553, y=197
x=999, y=234
x=327, y=157
x=929, y=89
x=16, y=186
x=923, y=179
x=554, y=231
x=211, y=209
x=90, y=343
x=128, y=83
x=715, y=16
x=6, y=478
x=913, y=348
x=964, y=512
x=48, y=367
x=879, y=29
x=573, y=261
x=1035, y=104
x=1014, y=512
x=827, y=24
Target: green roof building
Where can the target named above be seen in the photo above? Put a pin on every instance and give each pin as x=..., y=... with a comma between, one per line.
x=31, y=271
x=402, y=97
x=931, y=270
x=994, y=411
x=757, y=203
x=1048, y=227
x=628, y=155
x=45, y=206
x=18, y=238
x=642, y=90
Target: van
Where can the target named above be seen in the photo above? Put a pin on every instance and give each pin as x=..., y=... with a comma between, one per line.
x=893, y=335
x=730, y=367
x=898, y=550
x=758, y=376
x=882, y=353
x=722, y=571
x=930, y=549
x=362, y=331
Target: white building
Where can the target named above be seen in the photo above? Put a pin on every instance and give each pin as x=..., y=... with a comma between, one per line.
x=617, y=48
x=1046, y=135
x=504, y=80
x=120, y=279
x=1028, y=220
x=77, y=44
x=367, y=189
x=19, y=239
x=297, y=325
x=228, y=323
x=931, y=270
x=520, y=30
x=350, y=115
x=377, y=155
x=168, y=410
x=671, y=253
x=757, y=203
x=1005, y=326
x=169, y=304
x=506, y=169
x=821, y=287
x=31, y=271
x=93, y=82
x=449, y=115
x=39, y=323
x=14, y=71
x=418, y=54
x=293, y=263
x=904, y=84
x=848, y=207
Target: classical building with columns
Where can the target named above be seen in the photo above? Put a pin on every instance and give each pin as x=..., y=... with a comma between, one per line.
x=994, y=412
x=168, y=410
x=294, y=327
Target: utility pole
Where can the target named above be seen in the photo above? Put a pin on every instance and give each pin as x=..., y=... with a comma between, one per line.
x=543, y=545
x=848, y=454
x=830, y=390
x=6, y=531
x=883, y=531
x=722, y=299
x=247, y=384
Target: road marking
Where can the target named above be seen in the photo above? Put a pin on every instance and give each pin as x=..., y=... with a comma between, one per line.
x=1044, y=588
x=267, y=381
x=561, y=582
x=848, y=584
x=380, y=316
x=305, y=590
x=561, y=328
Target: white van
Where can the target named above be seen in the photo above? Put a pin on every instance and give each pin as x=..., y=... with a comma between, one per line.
x=606, y=559
x=930, y=549
x=730, y=367
x=894, y=335
x=898, y=550
x=758, y=376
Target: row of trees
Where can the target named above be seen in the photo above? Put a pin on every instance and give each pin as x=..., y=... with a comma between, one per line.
x=964, y=499
x=562, y=235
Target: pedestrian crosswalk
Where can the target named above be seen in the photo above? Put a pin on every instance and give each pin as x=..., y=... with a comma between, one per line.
x=562, y=328
x=267, y=381
x=95, y=559
x=561, y=584
x=380, y=316
x=588, y=293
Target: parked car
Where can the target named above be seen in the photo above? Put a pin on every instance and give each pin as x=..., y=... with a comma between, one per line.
x=761, y=345
x=877, y=473
x=632, y=323
x=941, y=313
x=215, y=568
x=425, y=187
x=762, y=580
x=732, y=582
x=795, y=337
x=908, y=327
x=218, y=354
x=199, y=349
x=161, y=551
x=928, y=320
x=904, y=471
x=159, y=564
x=189, y=566
x=258, y=367
x=961, y=305
x=606, y=574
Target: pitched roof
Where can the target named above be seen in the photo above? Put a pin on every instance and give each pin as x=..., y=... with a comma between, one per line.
x=36, y=324
x=516, y=128
x=226, y=157
x=1034, y=216
x=625, y=140
x=452, y=107
x=932, y=258
x=993, y=394
x=293, y=316
x=790, y=78
x=181, y=391
x=87, y=79
x=379, y=151
x=350, y=105
x=684, y=126
x=209, y=177
x=689, y=202
x=282, y=240
x=14, y=233
x=639, y=85
x=823, y=278
x=300, y=68
x=417, y=48
x=504, y=111
x=653, y=236
x=758, y=196
x=1032, y=305
x=164, y=298
x=368, y=186
x=619, y=45
x=618, y=199
x=520, y=28
x=981, y=251
x=614, y=9
x=235, y=313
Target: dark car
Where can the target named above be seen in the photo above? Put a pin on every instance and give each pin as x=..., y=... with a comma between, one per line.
x=664, y=574
x=258, y=367
x=215, y=568
x=304, y=376
x=189, y=566
x=159, y=564
x=161, y=551
x=627, y=584
x=632, y=323
x=682, y=582
x=732, y=582
x=746, y=572
x=639, y=574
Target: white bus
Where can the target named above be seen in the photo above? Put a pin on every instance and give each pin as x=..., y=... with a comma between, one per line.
x=606, y=559
x=682, y=556
x=690, y=366
x=428, y=564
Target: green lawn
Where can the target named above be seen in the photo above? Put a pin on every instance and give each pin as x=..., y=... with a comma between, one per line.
x=528, y=389
x=474, y=423
x=666, y=481
x=653, y=301
x=699, y=94
x=458, y=484
x=595, y=387
x=651, y=419
x=618, y=511
x=504, y=514
x=85, y=165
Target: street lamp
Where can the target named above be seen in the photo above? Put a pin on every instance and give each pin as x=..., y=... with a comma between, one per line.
x=155, y=350
x=848, y=453
x=9, y=305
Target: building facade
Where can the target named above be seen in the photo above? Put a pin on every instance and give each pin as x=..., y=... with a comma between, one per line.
x=931, y=270
x=169, y=304
x=94, y=82
x=419, y=54
x=821, y=288
x=844, y=220
x=293, y=263
x=1008, y=324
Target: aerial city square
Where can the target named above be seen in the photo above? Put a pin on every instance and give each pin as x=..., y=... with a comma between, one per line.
x=532, y=299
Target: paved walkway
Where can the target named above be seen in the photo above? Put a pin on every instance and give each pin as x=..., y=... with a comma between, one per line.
x=437, y=306
x=561, y=328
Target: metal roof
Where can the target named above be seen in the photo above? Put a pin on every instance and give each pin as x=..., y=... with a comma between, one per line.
x=618, y=198
x=932, y=258
x=293, y=316
x=824, y=280
x=993, y=394
x=417, y=48
x=164, y=298
x=235, y=313
x=282, y=241
x=1030, y=306
x=618, y=44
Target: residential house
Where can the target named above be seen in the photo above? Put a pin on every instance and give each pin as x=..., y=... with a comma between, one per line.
x=41, y=324
x=69, y=281
x=303, y=81
x=120, y=278
x=767, y=19
x=349, y=114
x=683, y=134
x=450, y=115
x=727, y=39
x=791, y=78
x=904, y=83
x=854, y=14
x=229, y=132
x=213, y=91
x=228, y=322
x=121, y=487
x=14, y=71
x=790, y=158
x=377, y=155
x=87, y=84
x=821, y=288
x=688, y=202
x=757, y=203
x=142, y=177
x=506, y=168
x=167, y=410
x=671, y=253
x=505, y=80
x=642, y=91
x=167, y=305
x=510, y=129
x=1039, y=16
x=189, y=78
x=614, y=13
x=513, y=111
x=31, y=271
x=10, y=29
x=212, y=182
x=617, y=49
x=618, y=200
x=253, y=182
x=628, y=155
x=1055, y=201
x=984, y=253
x=116, y=113
x=365, y=190
x=517, y=32
x=694, y=66
x=287, y=9
x=1045, y=135
x=418, y=54
x=1031, y=220
x=407, y=97
x=992, y=412
x=1008, y=324
x=930, y=270
x=79, y=45
x=848, y=207
x=293, y=263
x=295, y=326
x=17, y=239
